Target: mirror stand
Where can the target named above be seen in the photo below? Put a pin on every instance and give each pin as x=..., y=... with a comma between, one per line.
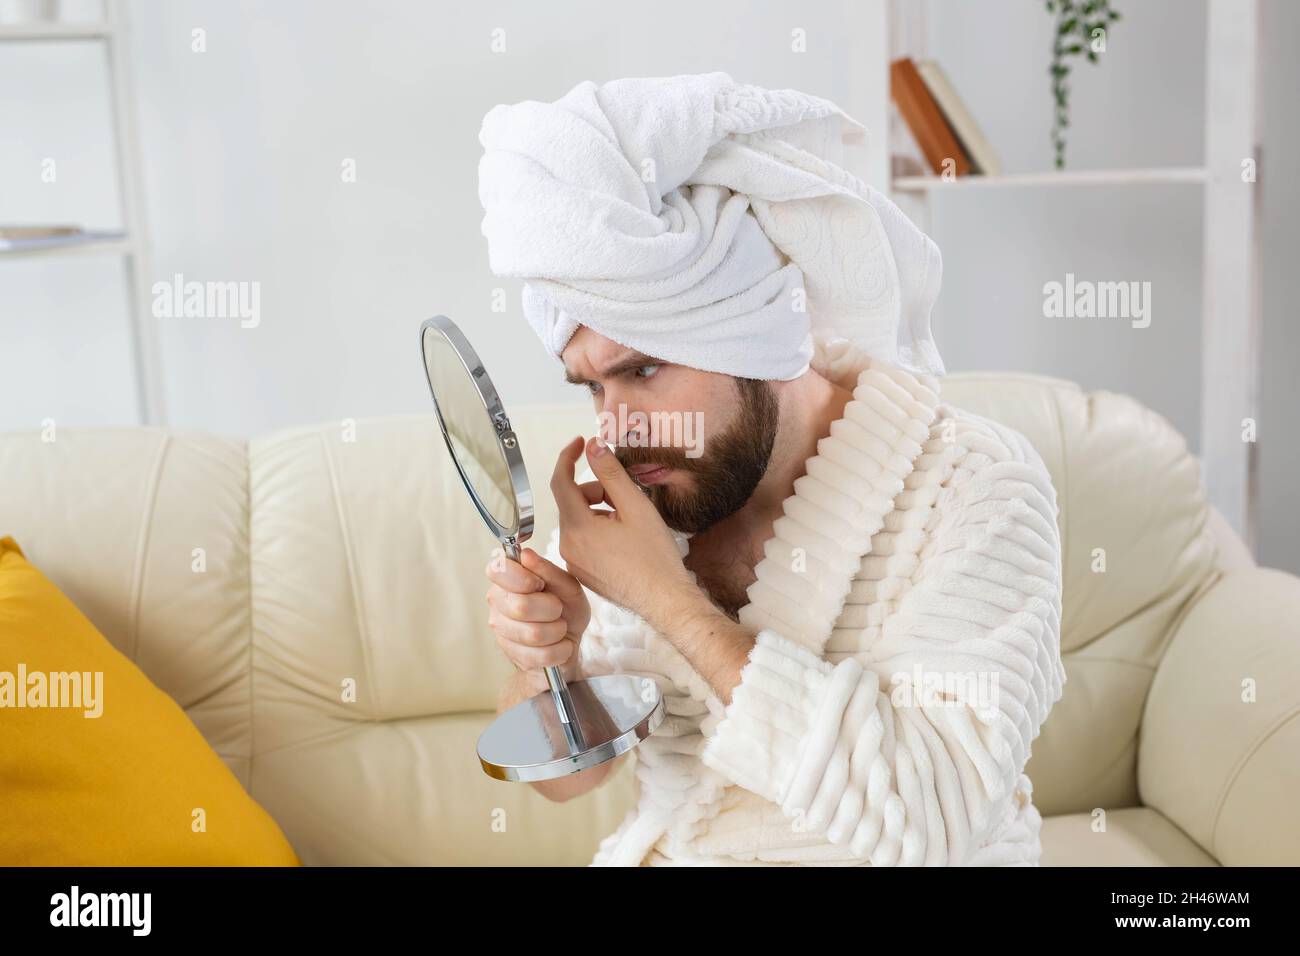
x=560, y=697
x=569, y=727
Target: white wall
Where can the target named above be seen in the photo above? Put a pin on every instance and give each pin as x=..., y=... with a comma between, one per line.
x=243, y=145
x=1141, y=106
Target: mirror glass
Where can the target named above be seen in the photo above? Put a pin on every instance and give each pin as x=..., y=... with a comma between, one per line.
x=469, y=430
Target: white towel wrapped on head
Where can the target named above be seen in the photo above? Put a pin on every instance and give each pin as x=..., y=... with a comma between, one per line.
x=705, y=223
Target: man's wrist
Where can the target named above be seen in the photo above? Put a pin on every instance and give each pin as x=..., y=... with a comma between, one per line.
x=572, y=670
x=684, y=608
x=712, y=643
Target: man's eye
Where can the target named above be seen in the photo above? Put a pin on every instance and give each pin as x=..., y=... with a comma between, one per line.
x=641, y=371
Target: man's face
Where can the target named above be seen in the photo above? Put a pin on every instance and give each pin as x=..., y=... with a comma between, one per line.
x=697, y=442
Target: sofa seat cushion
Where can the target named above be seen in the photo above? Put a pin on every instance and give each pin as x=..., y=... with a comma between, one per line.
x=1134, y=836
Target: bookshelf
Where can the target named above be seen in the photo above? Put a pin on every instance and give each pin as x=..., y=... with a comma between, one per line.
x=55, y=30
x=1194, y=175
x=129, y=244
x=1231, y=239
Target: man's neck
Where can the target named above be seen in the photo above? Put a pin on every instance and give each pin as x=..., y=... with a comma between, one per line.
x=808, y=407
x=806, y=418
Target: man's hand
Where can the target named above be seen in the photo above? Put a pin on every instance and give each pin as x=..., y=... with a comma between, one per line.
x=539, y=614
x=628, y=556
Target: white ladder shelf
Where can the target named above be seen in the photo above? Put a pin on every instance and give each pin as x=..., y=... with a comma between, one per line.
x=1230, y=349
x=131, y=244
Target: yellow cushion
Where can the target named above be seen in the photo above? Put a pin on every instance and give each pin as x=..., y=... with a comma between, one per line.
x=135, y=786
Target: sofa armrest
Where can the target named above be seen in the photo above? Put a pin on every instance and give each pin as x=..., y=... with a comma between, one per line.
x=1219, y=747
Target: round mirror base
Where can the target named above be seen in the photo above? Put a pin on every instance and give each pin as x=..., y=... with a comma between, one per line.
x=610, y=715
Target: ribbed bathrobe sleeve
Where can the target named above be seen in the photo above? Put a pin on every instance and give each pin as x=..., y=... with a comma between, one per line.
x=851, y=755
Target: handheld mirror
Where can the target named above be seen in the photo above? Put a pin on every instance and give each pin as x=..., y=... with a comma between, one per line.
x=569, y=727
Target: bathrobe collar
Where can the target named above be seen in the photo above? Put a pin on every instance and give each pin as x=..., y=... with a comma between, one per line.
x=849, y=486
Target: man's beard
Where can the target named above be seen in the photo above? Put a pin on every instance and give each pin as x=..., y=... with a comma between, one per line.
x=726, y=474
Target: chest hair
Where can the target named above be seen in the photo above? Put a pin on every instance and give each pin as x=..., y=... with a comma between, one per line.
x=724, y=575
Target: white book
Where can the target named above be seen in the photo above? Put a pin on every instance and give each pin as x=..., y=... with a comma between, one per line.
x=963, y=124
x=24, y=239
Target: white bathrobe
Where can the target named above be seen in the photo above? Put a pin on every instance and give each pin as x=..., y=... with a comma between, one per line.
x=921, y=543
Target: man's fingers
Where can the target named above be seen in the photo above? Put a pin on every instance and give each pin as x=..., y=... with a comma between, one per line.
x=533, y=657
x=620, y=490
x=540, y=608
x=594, y=492
x=558, y=581
x=528, y=633
x=512, y=576
x=568, y=496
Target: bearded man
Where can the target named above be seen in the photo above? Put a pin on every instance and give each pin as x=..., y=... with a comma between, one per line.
x=851, y=599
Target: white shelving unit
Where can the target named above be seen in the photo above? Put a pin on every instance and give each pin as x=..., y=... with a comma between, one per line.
x=1230, y=359
x=131, y=244
x=1083, y=177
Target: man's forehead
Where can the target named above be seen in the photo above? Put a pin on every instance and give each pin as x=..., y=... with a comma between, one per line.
x=590, y=353
x=587, y=341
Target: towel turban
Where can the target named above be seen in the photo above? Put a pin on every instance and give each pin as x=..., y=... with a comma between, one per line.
x=705, y=223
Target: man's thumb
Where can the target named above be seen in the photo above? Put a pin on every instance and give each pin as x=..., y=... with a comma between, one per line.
x=559, y=582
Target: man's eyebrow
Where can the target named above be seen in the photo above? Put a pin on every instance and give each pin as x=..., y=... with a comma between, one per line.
x=628, y=362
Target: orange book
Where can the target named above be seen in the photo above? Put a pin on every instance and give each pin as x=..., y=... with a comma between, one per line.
x=924, y=118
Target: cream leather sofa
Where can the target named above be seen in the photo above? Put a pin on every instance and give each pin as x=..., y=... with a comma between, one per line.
x=332, y=563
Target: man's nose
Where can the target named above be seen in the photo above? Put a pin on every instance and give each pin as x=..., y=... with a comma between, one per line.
x=624, y=420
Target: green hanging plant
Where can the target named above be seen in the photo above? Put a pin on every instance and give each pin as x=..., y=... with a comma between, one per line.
x=1081, y=28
